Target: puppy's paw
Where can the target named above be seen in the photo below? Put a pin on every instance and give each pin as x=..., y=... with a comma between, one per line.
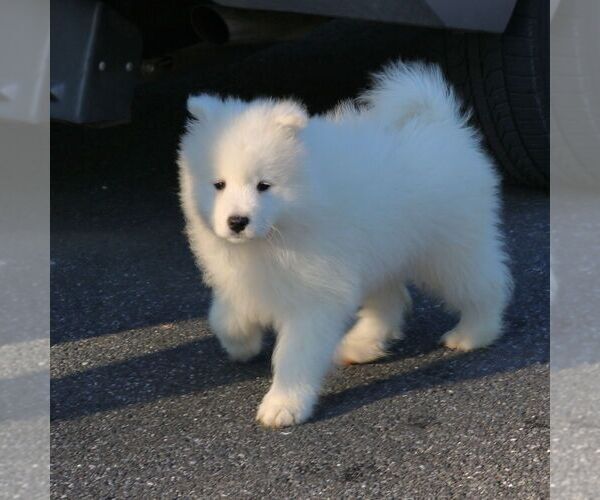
x=277, y=410
x=242, y=349
x=365, y=342
x=358, y=351
x=465, y=340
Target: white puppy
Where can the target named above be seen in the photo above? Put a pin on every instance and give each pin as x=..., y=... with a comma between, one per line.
x=298, y=224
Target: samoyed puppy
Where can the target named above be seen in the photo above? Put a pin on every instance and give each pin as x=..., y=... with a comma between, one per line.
x=314, y=226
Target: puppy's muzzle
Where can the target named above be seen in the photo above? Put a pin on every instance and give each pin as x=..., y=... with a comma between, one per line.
x=237, y=223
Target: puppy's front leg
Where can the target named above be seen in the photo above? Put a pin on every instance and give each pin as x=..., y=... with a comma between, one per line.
x=302, y=357
x=239, y=335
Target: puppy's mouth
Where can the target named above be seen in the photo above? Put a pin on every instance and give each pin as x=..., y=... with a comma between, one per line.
x=238, y=238
x=244, y=237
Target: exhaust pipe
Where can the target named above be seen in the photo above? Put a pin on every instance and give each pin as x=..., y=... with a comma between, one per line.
x=220, y=25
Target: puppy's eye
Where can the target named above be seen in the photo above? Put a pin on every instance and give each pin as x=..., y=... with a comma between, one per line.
x=219, y=185
x=263, y=186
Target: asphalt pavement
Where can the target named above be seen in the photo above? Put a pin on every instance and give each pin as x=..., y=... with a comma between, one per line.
x=146, y=405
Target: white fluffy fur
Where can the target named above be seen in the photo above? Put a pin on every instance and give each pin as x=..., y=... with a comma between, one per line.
x=361, y=203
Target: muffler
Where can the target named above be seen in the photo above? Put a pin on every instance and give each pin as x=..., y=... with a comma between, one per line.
x=221, y=25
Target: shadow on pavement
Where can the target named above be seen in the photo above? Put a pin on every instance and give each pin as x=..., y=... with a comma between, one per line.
x=200, y=366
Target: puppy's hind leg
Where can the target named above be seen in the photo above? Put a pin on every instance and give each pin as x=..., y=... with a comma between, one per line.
x=479, y=288
x=239, y=335
x=380, y=321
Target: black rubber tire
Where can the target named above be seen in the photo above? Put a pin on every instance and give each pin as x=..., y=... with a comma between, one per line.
x=505, y=80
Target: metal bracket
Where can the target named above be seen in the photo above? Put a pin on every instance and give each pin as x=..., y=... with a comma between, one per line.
x=95, y=59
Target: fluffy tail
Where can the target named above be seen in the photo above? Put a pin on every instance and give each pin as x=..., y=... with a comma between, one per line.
x=402, y=92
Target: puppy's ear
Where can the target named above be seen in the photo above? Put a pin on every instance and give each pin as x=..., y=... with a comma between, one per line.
x=203, y=106
x=290, y=115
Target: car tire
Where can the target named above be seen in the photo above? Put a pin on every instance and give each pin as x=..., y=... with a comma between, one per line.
x=504, y=79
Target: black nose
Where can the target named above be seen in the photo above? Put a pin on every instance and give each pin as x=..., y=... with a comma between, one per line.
x=237, y=223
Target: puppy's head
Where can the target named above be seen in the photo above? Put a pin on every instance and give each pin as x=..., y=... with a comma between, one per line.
x=245, y=163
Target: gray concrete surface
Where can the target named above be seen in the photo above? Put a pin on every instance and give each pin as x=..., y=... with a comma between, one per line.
x=24, y=310
x=575, y=352
x=144, y=403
